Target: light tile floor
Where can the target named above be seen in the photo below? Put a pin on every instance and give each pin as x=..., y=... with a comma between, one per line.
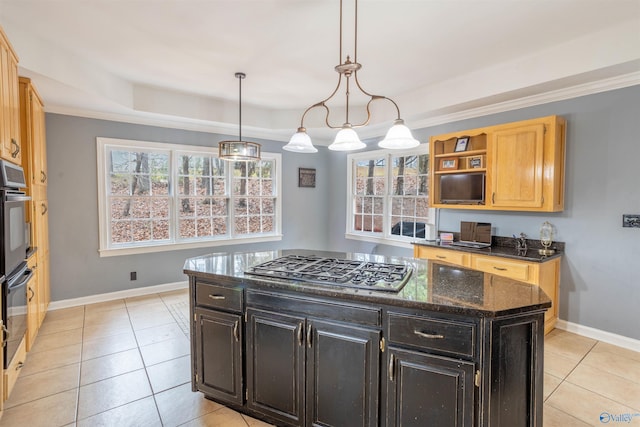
x=126, y=363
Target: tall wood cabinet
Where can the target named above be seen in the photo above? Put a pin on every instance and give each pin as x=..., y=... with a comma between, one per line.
x=522, y=165
x=10, y=145
x=32, y=121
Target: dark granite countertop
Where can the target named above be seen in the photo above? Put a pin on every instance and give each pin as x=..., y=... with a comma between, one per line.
x=432, y=286
x=503, y=248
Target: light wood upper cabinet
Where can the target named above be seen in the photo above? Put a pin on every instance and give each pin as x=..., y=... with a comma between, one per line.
x=522, y=162
x=33, y=137
x=516, y=167
x=10, y=147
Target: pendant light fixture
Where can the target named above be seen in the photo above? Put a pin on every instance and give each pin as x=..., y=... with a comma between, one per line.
x=399, y=135
x=239, y=150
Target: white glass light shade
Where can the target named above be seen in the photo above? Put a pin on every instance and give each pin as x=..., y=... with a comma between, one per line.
x=399, y=137
x=239, y=150
x=300, y=142
x=346, y=140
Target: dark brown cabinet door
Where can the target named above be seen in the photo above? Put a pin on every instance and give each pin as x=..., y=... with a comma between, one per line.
x=342, y=375
x=219, y=355
x=426, y=390
x=275, y=365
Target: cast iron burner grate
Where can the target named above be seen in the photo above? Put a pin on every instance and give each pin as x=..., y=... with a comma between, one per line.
x=337, y=272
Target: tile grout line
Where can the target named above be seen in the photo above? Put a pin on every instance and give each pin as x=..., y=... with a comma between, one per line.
x=146, y=372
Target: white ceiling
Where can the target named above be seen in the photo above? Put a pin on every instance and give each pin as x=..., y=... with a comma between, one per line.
x=172, y=62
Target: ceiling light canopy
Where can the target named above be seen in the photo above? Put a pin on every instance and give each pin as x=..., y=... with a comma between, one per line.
x=239, y=150
x=398, y=137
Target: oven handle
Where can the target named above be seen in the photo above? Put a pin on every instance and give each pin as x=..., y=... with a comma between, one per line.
x=25, y=277
x=9, y=197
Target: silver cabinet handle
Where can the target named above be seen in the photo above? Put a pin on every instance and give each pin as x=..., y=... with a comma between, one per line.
x=309, y=336
x=236, y=331
x=216, y=297
x=426, y=335
x=392, y=362
x=301, y=334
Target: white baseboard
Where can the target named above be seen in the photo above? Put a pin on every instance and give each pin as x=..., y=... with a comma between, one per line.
x=92, y=299
x=597, y=334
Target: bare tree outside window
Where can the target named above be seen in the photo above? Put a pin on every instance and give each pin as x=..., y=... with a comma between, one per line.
x=155, y=194
x=138, y=196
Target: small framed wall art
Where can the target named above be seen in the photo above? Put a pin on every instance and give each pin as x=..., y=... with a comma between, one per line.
x=307, y=177
x=461, y=144
x=448, y=163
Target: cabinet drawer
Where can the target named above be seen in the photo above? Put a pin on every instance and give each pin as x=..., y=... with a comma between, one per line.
x=445, y=335
x=512, y=269
x=214, y=296
x=444, y=255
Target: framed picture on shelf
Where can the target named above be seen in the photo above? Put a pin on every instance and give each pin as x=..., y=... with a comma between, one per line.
x=475, y=162
x=448, y=164
x=461, y=144
x=306, y=177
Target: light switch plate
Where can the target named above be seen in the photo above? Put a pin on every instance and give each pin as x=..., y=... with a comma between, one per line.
x=631, y=220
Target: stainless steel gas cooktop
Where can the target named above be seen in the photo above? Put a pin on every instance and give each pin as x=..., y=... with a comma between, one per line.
x=335, y=272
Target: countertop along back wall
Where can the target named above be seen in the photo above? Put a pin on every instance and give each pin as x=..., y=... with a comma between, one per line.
x=600, y=278
x=77, y=270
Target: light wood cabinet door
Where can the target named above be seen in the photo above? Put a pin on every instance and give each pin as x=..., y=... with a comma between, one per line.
x=516, y=167
x=32, y=118
x=10, y=103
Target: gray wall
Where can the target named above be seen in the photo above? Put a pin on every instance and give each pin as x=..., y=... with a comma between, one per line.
x=600, y=285
x=600, y=279
x=77, y=270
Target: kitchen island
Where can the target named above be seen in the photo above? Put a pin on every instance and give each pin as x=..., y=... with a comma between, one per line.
x=452, y=347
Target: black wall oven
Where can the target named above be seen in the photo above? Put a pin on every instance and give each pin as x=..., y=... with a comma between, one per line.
x=13, y=252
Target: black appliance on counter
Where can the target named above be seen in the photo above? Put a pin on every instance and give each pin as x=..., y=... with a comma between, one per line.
x=13, y=252
x=348, y=273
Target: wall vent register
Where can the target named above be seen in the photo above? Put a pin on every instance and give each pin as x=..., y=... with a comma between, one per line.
x=336, y=272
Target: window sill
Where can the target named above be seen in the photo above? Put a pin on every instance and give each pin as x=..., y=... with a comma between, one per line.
x=191, y=245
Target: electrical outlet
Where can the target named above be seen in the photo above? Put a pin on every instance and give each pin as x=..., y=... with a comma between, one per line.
x=133, y=275
x=629, y=220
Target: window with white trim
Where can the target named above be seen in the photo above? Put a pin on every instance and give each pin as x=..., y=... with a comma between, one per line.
x=389, y=196
x=155, y=196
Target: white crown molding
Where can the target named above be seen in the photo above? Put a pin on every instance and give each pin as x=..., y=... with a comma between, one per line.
x=591, y=88
x=283, y=135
